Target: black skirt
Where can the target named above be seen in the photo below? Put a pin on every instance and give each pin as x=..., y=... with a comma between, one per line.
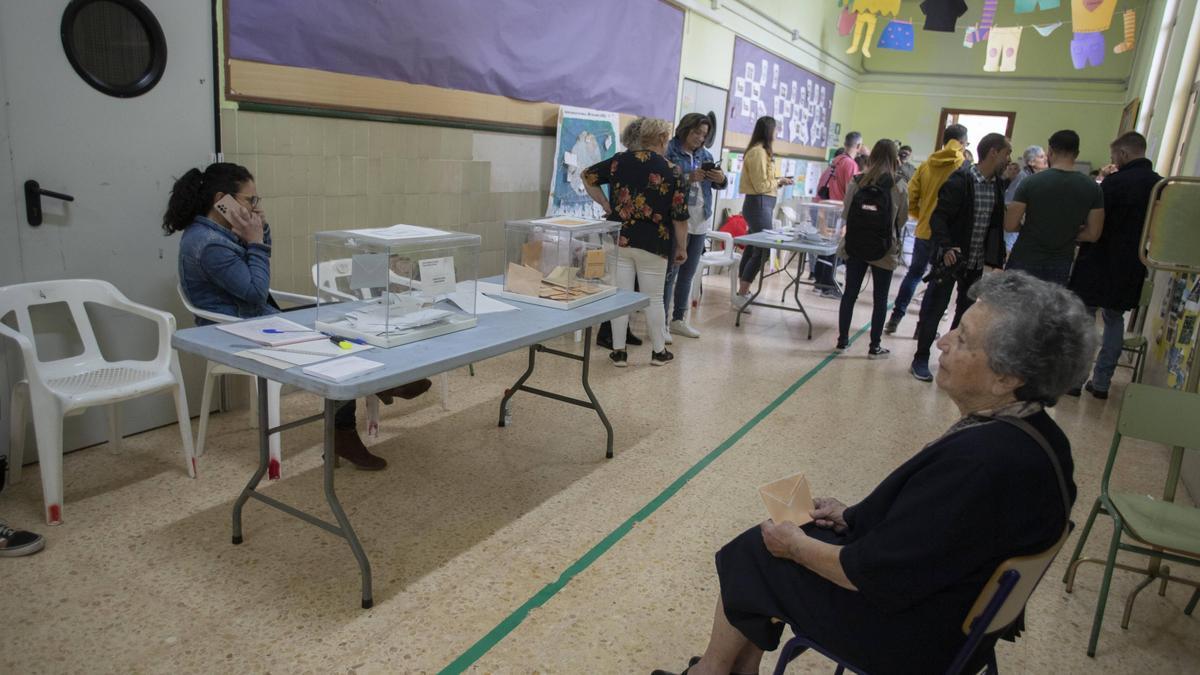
x=757, y=587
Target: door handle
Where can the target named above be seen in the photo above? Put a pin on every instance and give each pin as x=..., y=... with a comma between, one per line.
x=33, y=201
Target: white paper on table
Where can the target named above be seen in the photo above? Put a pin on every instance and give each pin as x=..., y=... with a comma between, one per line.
x=274, y=363
x=489, y=288
x=323, y=348
x=293, y=358
x=397, y=232
x=253, y=330
x=437, y=275
x=368, y=270
x=338, y=370
x=483, y=304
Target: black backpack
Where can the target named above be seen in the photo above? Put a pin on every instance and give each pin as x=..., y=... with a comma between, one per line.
x=869, y=223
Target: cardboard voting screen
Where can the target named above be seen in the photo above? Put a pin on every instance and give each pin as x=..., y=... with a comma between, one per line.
x=788, y=499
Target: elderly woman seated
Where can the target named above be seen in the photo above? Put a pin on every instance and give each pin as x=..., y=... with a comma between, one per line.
x=886, y=583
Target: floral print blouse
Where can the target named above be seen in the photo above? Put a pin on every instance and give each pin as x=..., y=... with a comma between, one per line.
x=647, y=194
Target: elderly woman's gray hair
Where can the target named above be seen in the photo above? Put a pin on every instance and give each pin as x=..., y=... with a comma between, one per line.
x=1031, y=153
x=631, y=136
x=1040, y=332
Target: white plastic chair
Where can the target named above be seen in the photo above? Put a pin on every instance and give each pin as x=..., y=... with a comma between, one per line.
x=326, y=276
x=51, y=390
x=724, y=258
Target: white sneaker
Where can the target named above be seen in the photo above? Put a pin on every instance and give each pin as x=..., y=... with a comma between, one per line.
x=681, y=327
x=741, y=302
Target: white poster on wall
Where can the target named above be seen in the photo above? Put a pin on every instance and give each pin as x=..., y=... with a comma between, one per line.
x=585, y=137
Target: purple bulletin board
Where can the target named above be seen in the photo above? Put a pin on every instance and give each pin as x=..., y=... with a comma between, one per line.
x=765, y=84
x=616, y=56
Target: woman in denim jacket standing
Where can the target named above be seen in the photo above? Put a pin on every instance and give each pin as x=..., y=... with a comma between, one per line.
x=225, y=267
x=686, y=151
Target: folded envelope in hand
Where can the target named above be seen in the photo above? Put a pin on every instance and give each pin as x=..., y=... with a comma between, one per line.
x=788, y=499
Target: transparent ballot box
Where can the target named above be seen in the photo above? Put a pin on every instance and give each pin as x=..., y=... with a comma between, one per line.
x=561, y=261
x=819, y=222
x=394, y=285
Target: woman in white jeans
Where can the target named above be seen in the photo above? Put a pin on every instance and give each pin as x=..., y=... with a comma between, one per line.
x=648, y=199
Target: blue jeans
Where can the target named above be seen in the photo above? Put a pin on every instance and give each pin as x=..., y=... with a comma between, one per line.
x=1110, y=347
x=916, y=269
x=683, y=274
x=1058, y=272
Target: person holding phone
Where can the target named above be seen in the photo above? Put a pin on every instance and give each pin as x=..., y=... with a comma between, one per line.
x=225, y=267
x=759, y=181
x=701, y=173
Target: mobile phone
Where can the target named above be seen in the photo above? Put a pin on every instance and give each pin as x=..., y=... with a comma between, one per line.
x=229, y=207
x=708, y=166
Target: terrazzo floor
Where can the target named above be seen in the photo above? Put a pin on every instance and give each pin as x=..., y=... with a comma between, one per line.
x=476, y=532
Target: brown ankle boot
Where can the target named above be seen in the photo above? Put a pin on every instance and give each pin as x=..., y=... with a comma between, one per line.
x=347, y=445
x=405, y=391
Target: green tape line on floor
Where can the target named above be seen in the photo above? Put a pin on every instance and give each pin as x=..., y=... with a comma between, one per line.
x=510, y=623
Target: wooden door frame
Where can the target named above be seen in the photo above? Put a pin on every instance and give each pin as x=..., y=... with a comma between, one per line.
x=1008, y=131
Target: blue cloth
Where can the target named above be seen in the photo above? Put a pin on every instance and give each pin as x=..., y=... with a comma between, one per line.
x=683, y=274
x=897, y=35
x=916, y=270
x=758, y=210
x=1110, y=347
x=689, y=163
x=220, y=273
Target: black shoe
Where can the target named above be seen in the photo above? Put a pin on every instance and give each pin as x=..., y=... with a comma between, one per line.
x=840, y=346
x=691, y=662
x=619, y=359
x=1098, y=393
x=632, y=340
x=891, y=325
x=661, y=358
x=15, y=543
x=1074, y=391
x=877, y=352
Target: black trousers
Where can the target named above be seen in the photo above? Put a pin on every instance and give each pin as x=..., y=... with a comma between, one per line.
x=345, y=418
x=933, y=306
x=856, y=272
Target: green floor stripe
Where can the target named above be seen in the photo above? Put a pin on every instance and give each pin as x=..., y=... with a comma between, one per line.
x=510, y=623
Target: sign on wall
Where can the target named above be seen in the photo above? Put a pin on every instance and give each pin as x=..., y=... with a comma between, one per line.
x=765, y=84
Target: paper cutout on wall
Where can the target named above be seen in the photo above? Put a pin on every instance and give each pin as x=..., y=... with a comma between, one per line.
x=864, y=24
x=1087, y=49
x=897, y=35
x=1047, y=29
x=979, y=32
x=1026, y=6
x=942, y=15
x=884, y=7
x=1130, y=19
x=1092, y=16
x=846, y=22
x=1003, y=45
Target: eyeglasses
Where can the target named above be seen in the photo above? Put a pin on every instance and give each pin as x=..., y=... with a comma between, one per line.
x=253, y=200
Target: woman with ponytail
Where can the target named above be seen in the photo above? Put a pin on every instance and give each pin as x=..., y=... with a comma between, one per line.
x=225, y=267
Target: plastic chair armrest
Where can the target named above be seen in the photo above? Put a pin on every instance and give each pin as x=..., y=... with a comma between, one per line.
x=28, y=353
x=292, y=298
x=164, y=320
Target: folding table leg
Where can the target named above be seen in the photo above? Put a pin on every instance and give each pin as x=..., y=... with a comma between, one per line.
x=263, y=460
x=364, y=565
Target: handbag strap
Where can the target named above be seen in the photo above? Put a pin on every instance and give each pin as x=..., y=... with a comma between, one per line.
x=1045, y=445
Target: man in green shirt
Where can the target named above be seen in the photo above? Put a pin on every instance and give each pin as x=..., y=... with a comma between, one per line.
x=1060, y=208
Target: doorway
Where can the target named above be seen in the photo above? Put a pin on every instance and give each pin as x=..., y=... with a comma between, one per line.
x=94, y=111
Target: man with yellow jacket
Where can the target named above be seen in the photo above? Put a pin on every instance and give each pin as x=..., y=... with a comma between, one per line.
x=922, y=198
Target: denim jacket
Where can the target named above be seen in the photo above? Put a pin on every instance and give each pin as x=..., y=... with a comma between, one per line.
x=689, y=163
x=221, y=273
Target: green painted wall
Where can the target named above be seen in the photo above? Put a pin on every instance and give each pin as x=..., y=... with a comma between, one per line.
x=1038, y=57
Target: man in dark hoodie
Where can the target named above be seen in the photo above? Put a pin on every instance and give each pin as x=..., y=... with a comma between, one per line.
x=1108, y=274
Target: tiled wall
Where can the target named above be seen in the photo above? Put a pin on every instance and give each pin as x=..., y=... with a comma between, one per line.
x=317, y=173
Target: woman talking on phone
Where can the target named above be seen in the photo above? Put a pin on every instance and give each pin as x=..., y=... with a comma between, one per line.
x=225, y=267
